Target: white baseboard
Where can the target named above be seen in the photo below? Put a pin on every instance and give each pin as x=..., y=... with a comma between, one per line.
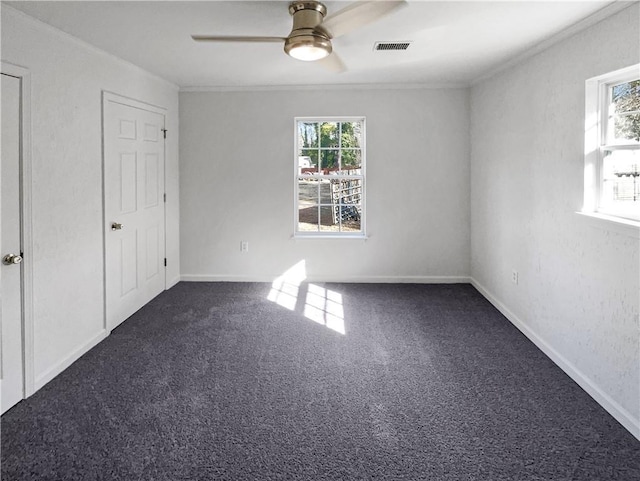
x=172, y=282
x=340, y=279
x=56, y=369
x=623, y=416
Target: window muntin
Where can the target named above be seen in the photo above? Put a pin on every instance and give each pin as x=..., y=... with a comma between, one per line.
x=612, y=140
x=330, y=177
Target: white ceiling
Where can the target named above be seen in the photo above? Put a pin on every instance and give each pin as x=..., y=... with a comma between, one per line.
x=453, y=42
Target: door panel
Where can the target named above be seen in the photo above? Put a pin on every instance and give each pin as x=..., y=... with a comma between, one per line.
x=129, y=262
x=151, y=132
x=11, y=365
x=152, y=178
x=134, y=185
x=128, y=182
x=127, y=129
x=153, y=248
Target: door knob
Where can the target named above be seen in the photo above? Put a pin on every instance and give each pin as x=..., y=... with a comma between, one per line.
x=116, y=226
x=11, y=259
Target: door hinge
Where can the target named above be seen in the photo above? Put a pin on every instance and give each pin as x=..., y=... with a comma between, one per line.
x=165, y=197
x=165, y=262
x=164, y=132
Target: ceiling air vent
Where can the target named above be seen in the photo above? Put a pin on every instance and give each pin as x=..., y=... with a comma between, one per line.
x=391, y=45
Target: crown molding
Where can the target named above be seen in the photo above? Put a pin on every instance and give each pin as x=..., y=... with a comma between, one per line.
x=289, y=88
x=86, y=45
x=605, y=12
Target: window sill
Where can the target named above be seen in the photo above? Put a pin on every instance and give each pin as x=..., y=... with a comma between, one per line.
x=329, y=236
x=611, y=223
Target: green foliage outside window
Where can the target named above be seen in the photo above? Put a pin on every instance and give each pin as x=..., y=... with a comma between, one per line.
x=331, y=145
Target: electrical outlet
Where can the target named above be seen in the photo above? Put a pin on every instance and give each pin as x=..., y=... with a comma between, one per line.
x=244, y=246
x=514, y=277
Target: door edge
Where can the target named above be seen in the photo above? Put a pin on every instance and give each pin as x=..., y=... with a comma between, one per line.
x=26, y=228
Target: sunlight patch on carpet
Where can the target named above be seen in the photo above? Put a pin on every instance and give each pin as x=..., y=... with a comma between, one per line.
x=284, y=289
x=321, y=305
x=324, y=306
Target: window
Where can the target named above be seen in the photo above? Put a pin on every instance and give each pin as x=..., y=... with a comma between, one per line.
x=612, y=170
x=329, y=177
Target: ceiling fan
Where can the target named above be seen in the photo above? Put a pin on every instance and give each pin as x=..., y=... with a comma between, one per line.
x=311, y=35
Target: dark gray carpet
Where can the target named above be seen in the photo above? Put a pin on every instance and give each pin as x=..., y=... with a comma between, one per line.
x=213, y=381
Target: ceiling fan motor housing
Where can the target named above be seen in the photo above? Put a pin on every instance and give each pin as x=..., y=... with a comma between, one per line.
x=305, y=35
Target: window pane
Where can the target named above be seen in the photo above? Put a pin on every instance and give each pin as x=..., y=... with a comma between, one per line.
x=351, y=136
x=325, y=191
x=308, y=160
x=307, y=192
x=349, y=212
x=351, y=160
x=621, y=181
x=328, y=222
x=307, y=135
x=344, y=218
x=626, y=128
x=346, y=191
x=308, y=218
x=329, y=134
x=352, y=224
x=329, y=160
x=626, y=97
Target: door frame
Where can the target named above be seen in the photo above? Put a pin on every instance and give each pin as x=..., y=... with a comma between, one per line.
x=108, y=96
x=26, y=227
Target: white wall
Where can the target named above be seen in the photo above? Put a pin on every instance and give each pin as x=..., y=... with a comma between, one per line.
x=67, y=79
x=578, y=290
x=236, y=168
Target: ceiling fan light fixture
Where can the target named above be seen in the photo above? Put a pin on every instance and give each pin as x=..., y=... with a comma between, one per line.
x=310, y=37
x=308, y=47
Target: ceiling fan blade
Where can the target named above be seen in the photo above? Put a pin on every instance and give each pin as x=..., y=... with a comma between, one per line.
x=333, y=63
x=231, y=38
x=357, y=15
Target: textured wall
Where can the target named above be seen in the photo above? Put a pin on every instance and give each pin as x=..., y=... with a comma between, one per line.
x=578, y=288
x=236, y=166
x=67, y=79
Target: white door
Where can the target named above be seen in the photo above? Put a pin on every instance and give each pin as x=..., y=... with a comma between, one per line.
x=11, y=366
x=134, y=207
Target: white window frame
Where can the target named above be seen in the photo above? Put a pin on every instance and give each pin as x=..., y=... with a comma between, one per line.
x=296, y=174
x=596, y=124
